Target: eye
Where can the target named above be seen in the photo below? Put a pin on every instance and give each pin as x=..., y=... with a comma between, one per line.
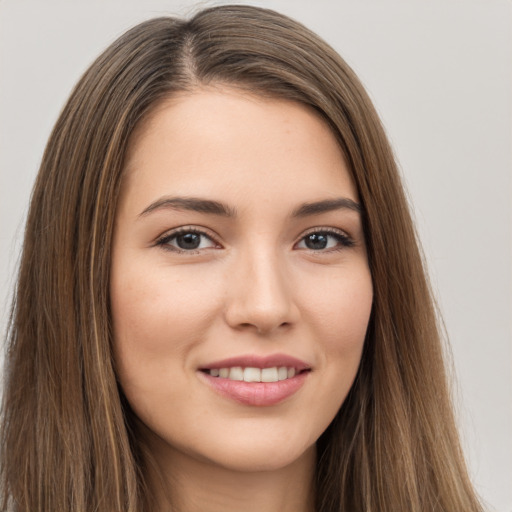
x=325, y=240
x=187, y=240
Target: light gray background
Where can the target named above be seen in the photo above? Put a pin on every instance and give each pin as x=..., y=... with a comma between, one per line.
x=440, y=75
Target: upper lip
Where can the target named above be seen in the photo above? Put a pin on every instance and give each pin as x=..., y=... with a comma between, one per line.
x=255, y=361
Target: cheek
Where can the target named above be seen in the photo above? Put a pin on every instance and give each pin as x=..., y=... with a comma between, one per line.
x=339, y=313
x=340, y=308
x=158, y=318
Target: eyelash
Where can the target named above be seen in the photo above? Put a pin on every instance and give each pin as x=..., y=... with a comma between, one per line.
x=342, y=238
x=165, y=239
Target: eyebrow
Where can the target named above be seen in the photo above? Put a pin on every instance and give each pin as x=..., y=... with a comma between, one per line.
x=190, y=204
x=327, y=205
x=216, y=208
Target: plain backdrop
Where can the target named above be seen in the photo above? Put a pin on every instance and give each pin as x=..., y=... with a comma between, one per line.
x=440, y=75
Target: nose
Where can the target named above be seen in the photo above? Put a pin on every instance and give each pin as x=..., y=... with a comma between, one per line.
x=260, y=297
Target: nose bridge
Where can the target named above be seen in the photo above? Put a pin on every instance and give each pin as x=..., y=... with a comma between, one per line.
x=260, y=293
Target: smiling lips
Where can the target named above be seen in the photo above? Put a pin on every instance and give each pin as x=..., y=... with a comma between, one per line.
x=257, y=381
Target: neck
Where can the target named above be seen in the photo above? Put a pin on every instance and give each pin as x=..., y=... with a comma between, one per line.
x=180, y=483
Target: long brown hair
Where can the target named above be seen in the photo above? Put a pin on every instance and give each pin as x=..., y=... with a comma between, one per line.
x=67, y=442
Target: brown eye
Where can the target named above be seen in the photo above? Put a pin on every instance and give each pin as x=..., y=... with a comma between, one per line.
x=316, y=241
x=187, y=240
x=325, y=240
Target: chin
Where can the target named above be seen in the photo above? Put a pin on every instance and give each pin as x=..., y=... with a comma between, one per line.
x=259, y=459
x=267, y=450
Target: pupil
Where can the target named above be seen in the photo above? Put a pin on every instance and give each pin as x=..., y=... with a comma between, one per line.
x=316, y=241
x=188, y=241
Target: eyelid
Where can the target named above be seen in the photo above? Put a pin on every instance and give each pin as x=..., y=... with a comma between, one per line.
x=346, y=239
x=163, y=239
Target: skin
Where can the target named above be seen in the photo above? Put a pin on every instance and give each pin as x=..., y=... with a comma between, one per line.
x=253, y=286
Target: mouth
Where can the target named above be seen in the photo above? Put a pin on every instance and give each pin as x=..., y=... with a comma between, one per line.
x=255, y=380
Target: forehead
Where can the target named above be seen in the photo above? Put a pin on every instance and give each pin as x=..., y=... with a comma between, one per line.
x=231, y=145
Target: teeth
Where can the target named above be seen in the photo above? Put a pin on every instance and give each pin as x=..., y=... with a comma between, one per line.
x=236, y=373
x=269, y=375
x=251, y=374
x=282, y=373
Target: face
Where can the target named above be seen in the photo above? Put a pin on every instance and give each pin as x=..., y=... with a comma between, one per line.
x=240, y=286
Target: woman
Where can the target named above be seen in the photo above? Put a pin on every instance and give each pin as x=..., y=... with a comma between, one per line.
x=221, y=301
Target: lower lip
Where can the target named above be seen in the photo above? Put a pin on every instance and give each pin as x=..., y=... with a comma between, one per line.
x=262, y=394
